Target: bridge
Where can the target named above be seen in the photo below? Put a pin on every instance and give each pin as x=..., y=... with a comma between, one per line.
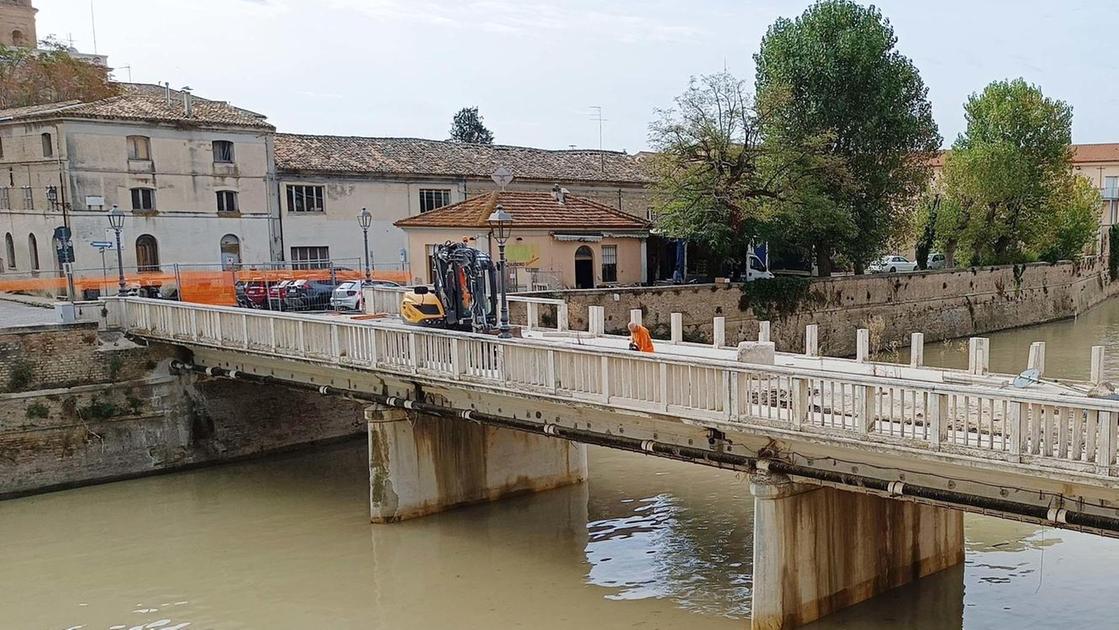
x=860, y=470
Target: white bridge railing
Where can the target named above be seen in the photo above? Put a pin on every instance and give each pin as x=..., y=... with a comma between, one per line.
x=1045, y=430
x=386, y=300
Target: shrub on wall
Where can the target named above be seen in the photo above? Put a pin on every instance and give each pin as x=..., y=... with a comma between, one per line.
x=1113, y=252
x=772, y=299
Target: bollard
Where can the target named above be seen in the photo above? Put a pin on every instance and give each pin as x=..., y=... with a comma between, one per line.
x=677, y=327
x=719, y=332
x=635, y=316
x=917, y=350
x=1097, y=364
x=763, y=331
x=812, y=340
x=597, y=320
x=1037, y=357
x=978, y=355
x=862, y=345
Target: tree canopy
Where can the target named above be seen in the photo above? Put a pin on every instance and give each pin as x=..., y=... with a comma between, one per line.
x=1010, y=191
x=719, y=184
x=844, y=79
x=467, y=127
x=50, y=75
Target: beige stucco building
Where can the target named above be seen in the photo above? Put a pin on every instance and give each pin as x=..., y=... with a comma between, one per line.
x=17, y=24
x=325, y=181
x=558, y=240
x=195, y=177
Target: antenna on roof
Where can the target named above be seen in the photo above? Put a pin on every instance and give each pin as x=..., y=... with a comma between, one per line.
x=93, y=25
x=502, y=176
x=597, y=115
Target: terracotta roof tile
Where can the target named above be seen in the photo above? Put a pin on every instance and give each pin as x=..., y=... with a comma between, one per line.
x=1081, y=154
x=145, y=102
x=414, y=156
x=538, y=210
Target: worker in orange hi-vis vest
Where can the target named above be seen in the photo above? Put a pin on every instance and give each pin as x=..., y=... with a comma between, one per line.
x=639, y=338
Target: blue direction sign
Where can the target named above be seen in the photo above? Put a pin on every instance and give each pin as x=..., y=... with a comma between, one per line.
x=101, y=244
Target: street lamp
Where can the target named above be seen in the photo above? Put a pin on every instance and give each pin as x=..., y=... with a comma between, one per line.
x=365, y=219
x=52, y=196
x=501, y=223
x=116, y=221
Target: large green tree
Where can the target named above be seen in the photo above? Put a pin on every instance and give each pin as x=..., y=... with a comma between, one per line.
x=718, y=184
x=1009, y=177
x=844, y=78
x=467, y=126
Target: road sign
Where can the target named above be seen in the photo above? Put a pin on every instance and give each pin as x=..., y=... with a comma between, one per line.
x=62, y=233
x=101, y=244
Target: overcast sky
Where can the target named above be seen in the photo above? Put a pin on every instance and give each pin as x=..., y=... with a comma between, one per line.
x=535, y=68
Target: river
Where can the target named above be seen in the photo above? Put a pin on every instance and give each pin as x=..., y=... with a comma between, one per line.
x=648, y=543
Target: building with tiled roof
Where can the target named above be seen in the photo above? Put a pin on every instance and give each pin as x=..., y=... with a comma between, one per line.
x=558, y=240
x=138, y=102
x=416, y=156
x=197, y=176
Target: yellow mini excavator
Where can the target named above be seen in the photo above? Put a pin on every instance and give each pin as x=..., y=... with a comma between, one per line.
x=463, y=295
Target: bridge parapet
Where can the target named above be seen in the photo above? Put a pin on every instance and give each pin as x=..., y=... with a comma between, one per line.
x=1047, y=431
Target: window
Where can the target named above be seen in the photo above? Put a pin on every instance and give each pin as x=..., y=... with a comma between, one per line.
x=147, y=254
x=227, y=201
x=139, y=148
x=1, y=148
x=310, y=257
x=10, y=250
x=431, y=199
x=28, y=198
x=305, y=199
x=609, y=263
x=223, y=151
x=230, y=251
x=143, y=199
x=17, y=38
x=33, y=252
x=48, y=145
x=5, y=198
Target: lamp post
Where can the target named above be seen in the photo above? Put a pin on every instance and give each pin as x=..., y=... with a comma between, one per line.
x=52, y=196
x=365, y=219
x=501, y=223
x=116, y=221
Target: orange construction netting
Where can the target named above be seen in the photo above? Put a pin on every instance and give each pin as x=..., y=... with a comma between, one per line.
x=202, y=287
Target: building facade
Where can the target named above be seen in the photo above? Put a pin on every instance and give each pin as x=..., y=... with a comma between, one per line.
x=17, y=24
x=558, y=240
x=196, y=178
x=325, y=181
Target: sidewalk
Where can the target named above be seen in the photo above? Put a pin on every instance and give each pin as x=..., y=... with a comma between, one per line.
x=29, y=300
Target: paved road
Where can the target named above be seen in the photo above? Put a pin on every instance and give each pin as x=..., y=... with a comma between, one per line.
x=15, y=314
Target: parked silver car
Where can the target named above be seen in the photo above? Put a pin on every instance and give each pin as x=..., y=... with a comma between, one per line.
x=892, y=264
x=936, y=261
x=348, y=296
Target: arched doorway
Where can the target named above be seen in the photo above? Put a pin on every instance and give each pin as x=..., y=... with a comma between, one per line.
x=230, y=252
x=584, y=268
x=9, y=251
x=147, y=254
x=33, y=252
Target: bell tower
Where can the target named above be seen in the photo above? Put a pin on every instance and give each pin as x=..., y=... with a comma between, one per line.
x=17, y=24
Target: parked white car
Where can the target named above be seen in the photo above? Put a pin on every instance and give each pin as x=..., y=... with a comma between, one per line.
x=936, y=261
x=892, y=264
x=348, y=296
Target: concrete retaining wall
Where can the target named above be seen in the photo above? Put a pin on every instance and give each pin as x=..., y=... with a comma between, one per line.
x=943, y=305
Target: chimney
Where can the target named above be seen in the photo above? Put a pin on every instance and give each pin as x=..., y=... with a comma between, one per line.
x=167, y=88
x=558, y=194
x=188, y=102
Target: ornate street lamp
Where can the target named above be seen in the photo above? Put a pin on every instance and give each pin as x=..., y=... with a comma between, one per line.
x=52, y=197
x=365, y=219
x=501, y=224
x=116, y=221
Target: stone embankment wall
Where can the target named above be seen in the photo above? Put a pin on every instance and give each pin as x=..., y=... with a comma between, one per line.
x=81, y=407
x=940, y=304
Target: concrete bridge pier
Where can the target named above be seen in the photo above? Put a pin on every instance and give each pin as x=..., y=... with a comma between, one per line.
x=818, y=550
x=421, y=464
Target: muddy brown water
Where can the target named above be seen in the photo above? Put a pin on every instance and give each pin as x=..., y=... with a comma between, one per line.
x=647, y=543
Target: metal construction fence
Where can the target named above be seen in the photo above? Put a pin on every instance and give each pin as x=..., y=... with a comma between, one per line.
x=264, y=285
